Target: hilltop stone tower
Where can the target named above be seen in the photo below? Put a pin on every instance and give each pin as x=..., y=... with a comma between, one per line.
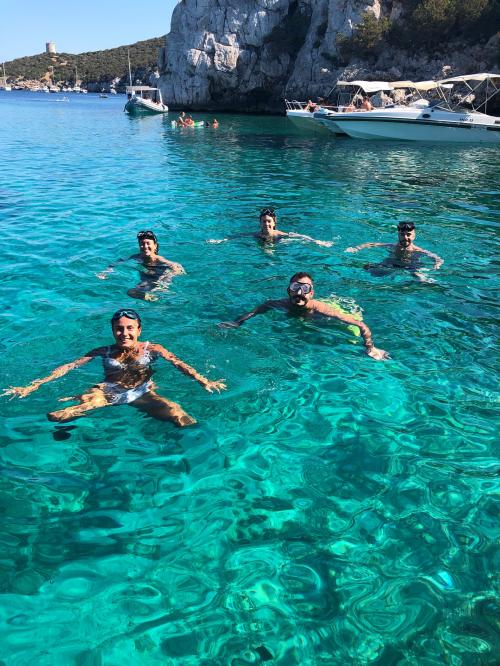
x=50, y=47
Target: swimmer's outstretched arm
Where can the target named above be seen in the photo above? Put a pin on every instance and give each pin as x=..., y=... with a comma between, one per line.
x=292, y=234
x=438, y=261
x=177, y=269
x=186, y=369
x=23, y=391
x=371, y=350
x=356, y=248
x=260, y=309
x=228, y=238
x=109, y=269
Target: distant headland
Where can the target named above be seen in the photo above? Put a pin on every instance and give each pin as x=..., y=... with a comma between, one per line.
x=96, y=71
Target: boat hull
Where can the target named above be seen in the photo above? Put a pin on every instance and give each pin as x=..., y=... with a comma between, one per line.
x=138, y=106
x=328, y=122
x=304, y=120
x=420, y=125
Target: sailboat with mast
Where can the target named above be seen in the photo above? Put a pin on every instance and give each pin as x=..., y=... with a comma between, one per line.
x=143, y=99
x=5, y=85
x=76, y=87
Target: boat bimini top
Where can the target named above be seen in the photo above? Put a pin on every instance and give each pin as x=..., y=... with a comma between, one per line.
x=490, y=83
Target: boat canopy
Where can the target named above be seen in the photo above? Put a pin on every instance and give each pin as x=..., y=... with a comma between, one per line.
x=367, y=86
x=417, y=85
x=131, y=89
x=471, y=77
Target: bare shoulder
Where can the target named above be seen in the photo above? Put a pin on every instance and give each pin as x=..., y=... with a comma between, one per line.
x=277, y=303
x=155, y=347
x=322, y=308
x=98, y=351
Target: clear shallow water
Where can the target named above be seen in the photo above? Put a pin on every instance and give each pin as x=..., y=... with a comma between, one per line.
x=326, y=509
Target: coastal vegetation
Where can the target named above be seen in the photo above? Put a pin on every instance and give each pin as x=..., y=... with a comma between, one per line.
x=100, y=68
x=428, y=24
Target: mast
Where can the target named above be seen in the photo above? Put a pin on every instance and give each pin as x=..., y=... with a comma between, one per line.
x=129, y=70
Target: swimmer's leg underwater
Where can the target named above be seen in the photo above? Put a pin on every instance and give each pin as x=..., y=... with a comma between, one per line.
x=162, y=409
x=93, y=399
x=150, y=403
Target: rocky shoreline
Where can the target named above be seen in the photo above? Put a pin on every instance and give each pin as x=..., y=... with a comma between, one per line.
x=243, y=56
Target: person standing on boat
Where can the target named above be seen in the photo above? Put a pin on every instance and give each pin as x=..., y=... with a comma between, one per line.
x=127, y=377
x=158, y=271
x=300, y=303
x=269, y=233
x=404, y=254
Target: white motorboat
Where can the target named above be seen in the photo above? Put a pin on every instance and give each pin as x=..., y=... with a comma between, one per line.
x=350, y=93
x=302, y=115
x=143, y=99
x=439, y=120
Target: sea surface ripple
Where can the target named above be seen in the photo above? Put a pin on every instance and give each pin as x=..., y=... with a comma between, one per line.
x=327, y=509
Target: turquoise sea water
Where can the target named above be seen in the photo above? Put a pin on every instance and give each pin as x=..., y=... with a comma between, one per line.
x=327, y=509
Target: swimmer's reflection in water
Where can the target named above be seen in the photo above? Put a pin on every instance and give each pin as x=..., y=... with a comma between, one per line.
x=128, y=374
x=158, y=272
x=403, y=255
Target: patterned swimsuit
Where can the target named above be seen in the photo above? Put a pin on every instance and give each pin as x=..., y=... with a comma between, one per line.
x=118, y=394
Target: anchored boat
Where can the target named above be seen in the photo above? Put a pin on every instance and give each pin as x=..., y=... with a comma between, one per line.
x=439, y=119
x=143, y=99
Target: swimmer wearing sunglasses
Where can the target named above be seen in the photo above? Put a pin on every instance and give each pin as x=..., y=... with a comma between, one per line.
x=158, y=271
x=128, y=372
x=269, y=233
x=300, y=302
x=404, y=255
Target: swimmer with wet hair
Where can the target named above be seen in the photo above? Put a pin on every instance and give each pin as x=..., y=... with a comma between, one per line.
x=300, y=302
x=269, y=233
x=158, y=271
x=404, y=255
x=128, y=374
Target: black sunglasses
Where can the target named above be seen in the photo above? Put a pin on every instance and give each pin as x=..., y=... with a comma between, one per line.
x=406, y=227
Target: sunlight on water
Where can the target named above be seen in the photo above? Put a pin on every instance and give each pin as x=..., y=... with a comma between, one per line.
x=327, y=509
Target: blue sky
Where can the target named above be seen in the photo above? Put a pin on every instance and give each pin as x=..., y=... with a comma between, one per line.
x=75, y=27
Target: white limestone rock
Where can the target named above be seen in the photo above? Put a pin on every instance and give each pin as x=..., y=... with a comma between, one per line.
x=248, y=55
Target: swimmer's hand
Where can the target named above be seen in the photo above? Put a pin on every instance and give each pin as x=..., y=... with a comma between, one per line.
x=218, y=386
x=324, y=243
x=378, y=354
x=229, y=324
x=351, y=249
x=103, y=274
x=20, y=391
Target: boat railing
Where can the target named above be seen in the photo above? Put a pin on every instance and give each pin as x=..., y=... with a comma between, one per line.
x=295, y=105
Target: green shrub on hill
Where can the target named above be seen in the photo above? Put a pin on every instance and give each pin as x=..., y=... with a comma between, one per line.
x=424, y=23
x=102, y=66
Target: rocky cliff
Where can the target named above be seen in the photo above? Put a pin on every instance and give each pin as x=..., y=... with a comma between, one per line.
x=248, y=55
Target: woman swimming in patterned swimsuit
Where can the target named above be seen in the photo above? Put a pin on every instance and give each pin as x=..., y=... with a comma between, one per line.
x=127, y=376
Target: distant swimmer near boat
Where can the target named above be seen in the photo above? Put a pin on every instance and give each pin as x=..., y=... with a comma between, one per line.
x=127, y=377
x=404, y=255
x=300, y=303
x=269, y=233
x=158, y=271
